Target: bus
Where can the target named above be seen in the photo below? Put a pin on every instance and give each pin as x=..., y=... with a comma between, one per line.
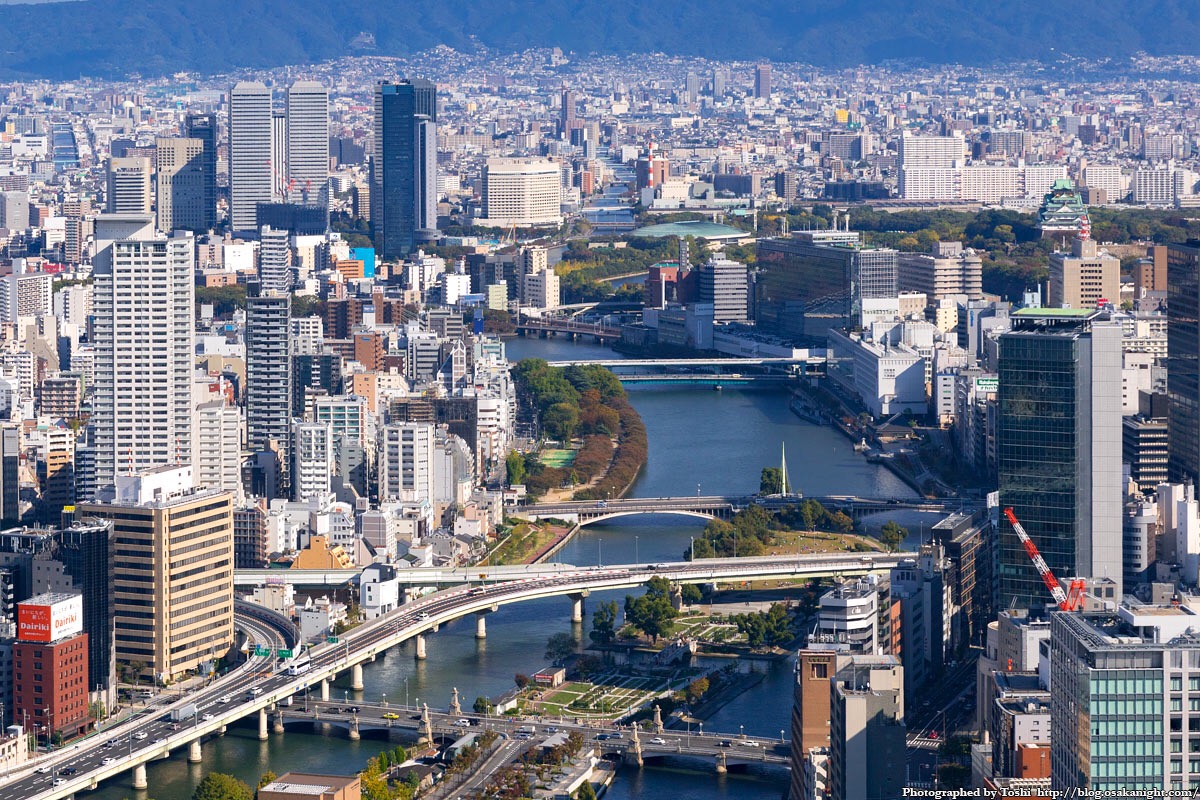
x=300, y=666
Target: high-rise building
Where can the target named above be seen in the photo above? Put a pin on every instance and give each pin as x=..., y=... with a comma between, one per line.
x=218, y=447
x=522, y=192
x=173, y=582
x=25, y=294
x=312, y=459
x=724, y=283
x=204, y=128
x=1058, y=444
x=85, y=549
x=1183, y=360
x=144, y=306
x=406, y=462
x=274, y=260
x=308, y=143
x=541, y=289
x=404, y=167
x=251, y=167
x=268, y=373
x=815, y=669
x=944, y=273
x=1084, y=278
x=719, y=79
x=691, y=87
x=50, y=666
x=1122, y=715
x=10, y=481
x=128, y=186
x=867, y=730
x=181, y=184
x=566, y=113
x=762, y=81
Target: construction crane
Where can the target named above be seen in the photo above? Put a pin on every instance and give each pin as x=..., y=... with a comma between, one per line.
x=1067, y=601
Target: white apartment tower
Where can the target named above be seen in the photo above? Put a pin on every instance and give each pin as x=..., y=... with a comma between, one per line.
x=307, y=143
x=406, y=463
x=312, y=459
x=144, y=304
x=218, y=447
x=250, y=158
x=274, y=260
x=522, y=192
x=128, y=186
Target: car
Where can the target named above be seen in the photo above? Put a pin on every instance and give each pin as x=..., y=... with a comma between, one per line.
x=462, y=723
x=390, y=715
x=59, y=781
x=416, y=716
x=333, y=709
x=603, y=737
x=67, y=771
x=614, y=736
x=748, y=743
x=658, y=740
x=105, y=762
x=160, y=740
x=353, y=710
x=225, y=698
x=44, y=770
x=207, y=717
x=140, y=735
x=551, y=729
x=724, y=743
x=423, y=615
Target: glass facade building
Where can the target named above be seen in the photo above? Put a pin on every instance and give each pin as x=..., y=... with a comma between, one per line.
x=1183, y=360
x=404, y=167
x=1058, y=446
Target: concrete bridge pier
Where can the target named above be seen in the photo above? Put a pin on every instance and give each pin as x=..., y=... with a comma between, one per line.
x=354, y=734
x=722, y=767
x=421, y=647
x=262, y=725
x=195, y=756
x=356, y=678
x=325, y=690
x=278, y=726
x=577, y=605
x=222, y=729
x=634, y=754
x=481, y=621
x=139, y=777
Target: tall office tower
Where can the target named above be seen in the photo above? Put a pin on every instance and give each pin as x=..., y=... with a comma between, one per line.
x=128, y=186
x=250, y=167
x=719, y=78
x=815, y=669
x=279, y=181
x=866, y=729
x=1084, y=277
x=10, y=482
x=566, y=113
x=404, y=167
x=941, y=274
x=406, y=462
x=85, y=549
x=1183, y=361
x=691, y=87
x=724, y=283
x=1058, y=445
x=268, y=373
x=143, y=305
x=180, y=167
x=274, y=260
x=308, y=143
x=204, y=128
x=173, y=582
x=762, y=81
x=312, y=459
x=1123, y=718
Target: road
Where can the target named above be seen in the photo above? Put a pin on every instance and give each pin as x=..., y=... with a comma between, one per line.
x=230, y=699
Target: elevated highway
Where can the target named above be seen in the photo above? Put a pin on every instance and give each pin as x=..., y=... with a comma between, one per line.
x=262, y=684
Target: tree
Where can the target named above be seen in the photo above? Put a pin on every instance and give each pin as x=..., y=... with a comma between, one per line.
x=892, y=535
x=514, y=464
x=219, y=786
x=652, y=613
x=585, y=792
x=604, y=623
x=691, y=594
x=521, y=680
x=696, y=689
x=560, y=421
x=560, y=647
x=484, y=705
x=267, y=777
x=771, y=481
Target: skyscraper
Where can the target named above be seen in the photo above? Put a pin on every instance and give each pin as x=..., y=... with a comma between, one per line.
x=866, y=729
x=312, y=459
x=724, y=284
x=180, y=167
x=274, y=260
x=1183, y=360
x=762, y=81
x=143, y=305
x=10, y=482
x=1058, y=447
x=268, y=373
x=204, y=128
x=308, y=143
x=719, y=79
x=406, y=462
x=566, y=113
x=128, y=186
x=250, y=157
x=404, y=166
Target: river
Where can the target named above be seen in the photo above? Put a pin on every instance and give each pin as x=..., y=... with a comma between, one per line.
x=700, y=440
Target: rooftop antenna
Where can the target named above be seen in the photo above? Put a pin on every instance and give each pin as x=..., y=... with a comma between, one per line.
x=783, y=476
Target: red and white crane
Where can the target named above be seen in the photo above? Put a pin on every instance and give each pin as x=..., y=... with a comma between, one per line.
x=1067, y=601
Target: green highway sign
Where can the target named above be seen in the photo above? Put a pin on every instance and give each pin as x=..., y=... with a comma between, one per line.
x=262, y=651
x=284, y=653
x=331, y=639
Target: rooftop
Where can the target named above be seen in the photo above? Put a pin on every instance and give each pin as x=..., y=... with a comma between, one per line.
x=695, y=227
x=1059, y=313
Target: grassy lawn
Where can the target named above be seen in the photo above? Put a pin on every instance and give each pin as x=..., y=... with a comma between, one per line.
x=609, y=696
x=525, y=540
x=791, y=542
x=558, y=458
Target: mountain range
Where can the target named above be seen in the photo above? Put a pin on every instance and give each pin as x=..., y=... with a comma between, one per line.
x=112, y=38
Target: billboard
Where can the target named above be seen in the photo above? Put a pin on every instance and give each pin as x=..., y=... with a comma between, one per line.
x=49, y=617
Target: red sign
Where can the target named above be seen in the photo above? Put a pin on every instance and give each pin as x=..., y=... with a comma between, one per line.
x=33, y=623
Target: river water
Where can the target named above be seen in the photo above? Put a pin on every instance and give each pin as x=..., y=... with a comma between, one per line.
x=700, y=440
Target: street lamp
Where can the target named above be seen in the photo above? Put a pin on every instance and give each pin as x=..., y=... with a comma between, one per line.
x=406, y=692
x=701, y=728
x=385, y=699
x=742, y=731
x=781, y=737
x=599, y=552
x=697, y=490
